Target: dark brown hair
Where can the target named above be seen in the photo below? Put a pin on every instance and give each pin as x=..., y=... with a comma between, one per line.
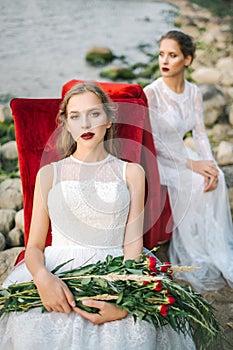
x=185, y=42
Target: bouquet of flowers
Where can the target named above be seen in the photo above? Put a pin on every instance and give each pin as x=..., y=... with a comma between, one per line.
x=144, y=288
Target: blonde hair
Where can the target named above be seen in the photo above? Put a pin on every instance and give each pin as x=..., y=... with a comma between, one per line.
x=65, y=143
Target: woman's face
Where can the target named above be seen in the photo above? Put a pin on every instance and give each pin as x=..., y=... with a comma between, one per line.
x=171, y=59
x=86, y=119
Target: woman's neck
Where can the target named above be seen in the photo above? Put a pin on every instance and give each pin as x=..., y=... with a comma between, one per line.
x=175, y=84
x=93, y=155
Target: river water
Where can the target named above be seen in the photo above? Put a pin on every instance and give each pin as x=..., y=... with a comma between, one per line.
x=44, y=42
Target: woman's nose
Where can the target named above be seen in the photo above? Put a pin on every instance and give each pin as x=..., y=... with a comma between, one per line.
x=165, y=59
x=85, y=122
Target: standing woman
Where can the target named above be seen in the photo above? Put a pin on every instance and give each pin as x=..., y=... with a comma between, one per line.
x=202, y=233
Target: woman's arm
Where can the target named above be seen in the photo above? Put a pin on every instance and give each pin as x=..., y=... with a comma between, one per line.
x=207, y=166
x=133, y=241
x=54, y=293
x=161, y=126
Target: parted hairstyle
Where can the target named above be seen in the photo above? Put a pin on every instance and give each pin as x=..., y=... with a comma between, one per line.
x=65, y=143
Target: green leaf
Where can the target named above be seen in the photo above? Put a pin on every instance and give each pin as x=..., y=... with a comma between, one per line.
x=118, y=301
x=60, y=266
x=85, y=280
x=135, y=272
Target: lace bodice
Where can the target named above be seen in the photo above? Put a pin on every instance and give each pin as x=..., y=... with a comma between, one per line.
x=89, y=202
x=172, y=115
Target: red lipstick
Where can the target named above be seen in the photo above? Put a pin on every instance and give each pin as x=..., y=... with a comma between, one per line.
x=87, y=135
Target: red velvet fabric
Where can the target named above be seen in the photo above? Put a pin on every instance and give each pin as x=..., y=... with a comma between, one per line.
x=35, y=125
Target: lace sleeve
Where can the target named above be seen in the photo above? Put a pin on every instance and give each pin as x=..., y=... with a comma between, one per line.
x=199, y=133
x=161, y=131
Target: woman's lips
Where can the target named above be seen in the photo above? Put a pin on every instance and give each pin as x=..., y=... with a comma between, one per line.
x=87, y=135
x=164, y=69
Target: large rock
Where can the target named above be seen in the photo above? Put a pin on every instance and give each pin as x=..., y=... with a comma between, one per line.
x=231, y=114
x=9, y=156
x=117, y=73
x=15, y=238
x=7, y=260
x=225, y=153
x=2, y=241
x=11, y=194
x=19, y=220
x=98, y=55
x=214, y=103
x=206, y=75
x=5, y=113
x=225, y=66
x=7, y=220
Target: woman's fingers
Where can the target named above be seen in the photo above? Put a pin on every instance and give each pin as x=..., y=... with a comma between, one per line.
x=108, y=312
x=210, y=183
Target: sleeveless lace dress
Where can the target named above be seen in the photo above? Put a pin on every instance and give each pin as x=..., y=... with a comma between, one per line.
x=88, y=206
x=203, y=232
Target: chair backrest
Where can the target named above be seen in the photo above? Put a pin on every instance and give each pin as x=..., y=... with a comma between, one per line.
x=35, y=123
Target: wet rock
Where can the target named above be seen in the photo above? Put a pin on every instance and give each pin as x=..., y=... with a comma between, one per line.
x=117, y=73
x=98, y=55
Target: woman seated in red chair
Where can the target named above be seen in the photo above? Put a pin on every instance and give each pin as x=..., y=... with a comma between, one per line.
x=106, y=217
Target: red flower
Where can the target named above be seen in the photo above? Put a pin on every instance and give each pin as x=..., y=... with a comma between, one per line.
x=170, y=300
x=166, y=265
x=146, y=282
x=158, y=286
x=151, y=261
x=163, y=309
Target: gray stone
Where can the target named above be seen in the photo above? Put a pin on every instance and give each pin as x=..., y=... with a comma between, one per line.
x=7, y=220
x=5, y=113
x=2, y=241
x=19, y=220
x=15, y=238
x=225, y=153
x=7, y=260
x=11, y=194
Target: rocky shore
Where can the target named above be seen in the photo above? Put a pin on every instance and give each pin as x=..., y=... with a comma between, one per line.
x=212, y=70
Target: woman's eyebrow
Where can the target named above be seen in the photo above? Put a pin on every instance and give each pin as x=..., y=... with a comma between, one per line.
x=97, y=107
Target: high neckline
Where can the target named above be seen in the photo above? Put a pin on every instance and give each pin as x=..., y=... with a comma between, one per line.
x=173, y=93
x=90, y=163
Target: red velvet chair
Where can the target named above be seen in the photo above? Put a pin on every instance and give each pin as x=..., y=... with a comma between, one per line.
x=35, y=129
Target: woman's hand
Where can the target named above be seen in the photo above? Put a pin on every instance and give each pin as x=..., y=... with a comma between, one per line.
x=54, y=293
x=108, y=312
x=208, y=169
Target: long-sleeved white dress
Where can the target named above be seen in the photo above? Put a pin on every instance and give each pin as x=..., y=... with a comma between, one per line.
x=203, y=232
x=88, y=206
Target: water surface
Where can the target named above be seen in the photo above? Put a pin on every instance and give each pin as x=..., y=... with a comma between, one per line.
x=44, y=42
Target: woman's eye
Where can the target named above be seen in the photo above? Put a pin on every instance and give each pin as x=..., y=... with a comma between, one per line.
x=173, y=55
x=74, y=116
x=95, y=114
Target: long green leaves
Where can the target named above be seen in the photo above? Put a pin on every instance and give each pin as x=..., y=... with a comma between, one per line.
x=144, y=288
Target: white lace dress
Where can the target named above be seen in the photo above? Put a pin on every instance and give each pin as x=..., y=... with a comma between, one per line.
x=203, y=233
x=88, y=205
